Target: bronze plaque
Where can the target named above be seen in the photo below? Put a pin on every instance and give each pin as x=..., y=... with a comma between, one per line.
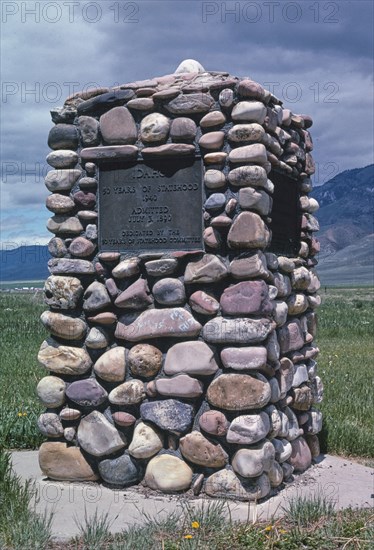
x=153, y=206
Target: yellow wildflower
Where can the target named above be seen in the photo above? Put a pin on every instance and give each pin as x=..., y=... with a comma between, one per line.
x=188, y=536
x=282, y=531
x=19, y=414
x=195, y=525
x=268, y=528
x=24, y=414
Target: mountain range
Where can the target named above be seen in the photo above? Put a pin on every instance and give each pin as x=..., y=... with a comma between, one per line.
x=346, y=219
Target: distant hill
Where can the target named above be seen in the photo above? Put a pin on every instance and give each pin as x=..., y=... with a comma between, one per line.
x=25, y=263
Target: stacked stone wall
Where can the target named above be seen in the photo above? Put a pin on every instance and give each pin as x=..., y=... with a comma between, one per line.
x=191, y=369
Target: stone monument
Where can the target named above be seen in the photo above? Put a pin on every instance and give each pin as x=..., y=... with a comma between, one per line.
x=182, y=292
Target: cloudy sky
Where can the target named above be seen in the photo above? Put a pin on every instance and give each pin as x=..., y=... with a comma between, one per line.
x=314, y=55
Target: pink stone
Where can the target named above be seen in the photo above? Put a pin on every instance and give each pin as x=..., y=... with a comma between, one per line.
x=301, y=457
x=136, y=296
x=246, y=298
x=118, y=127
x=204, y=304
x=214, y=423
x=248, y=231
x=291, y=336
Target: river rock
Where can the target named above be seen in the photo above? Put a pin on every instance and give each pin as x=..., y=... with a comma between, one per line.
x=57, y=248
x=170, y=415
x=212, y=141
x=62, y=266
x=118, y=127
x=123, y=419
x=225, y=484
x=121, y=471
x=275, y=474
x=203, y=303
x=61, y=180
x=144, y=360
x=250, y=267
x=96, y=298
x=97, y=338
x=50, y=425
x=244, y=358
x=181, y=385
x=183, y=129
x=254, y=461
x=291, y=336
x=86, y=393
x=249, y=111
x=169, y=291
x=62, y=292
x=62, y=326
x=85, y=199
x=246, y=132
x=280, y=311
x=51, y=391
x=248, y=231
x=190, y=104
x=146, y=441
x=63, y=136
x=239, y=391
x=254, y=199
x=159, y=323
x=154, y=128
x=62, y=158
x=111, y=152
x=249, y=297
x=214, y=423
x=137, y=296
x=63, y=359
x=283, y=449
x=212, y=120
x=301, y=457
x=111, y=366
x=62, y=463
x=302, y=398
x=254, y=153
x=64, y=225
x=126, y=268
x=209, y=269
x=300, y=375
x=128, y=393
x=237, y=330
x=70, y=415
x=168, y=150
x=162, y=267
x=97, y=436
x=168, y=474
x=214, y=179
x=199, y=450
x=89, y=131
x=248, y=429
x=195, y=358
x=243, y=176
x=105, y=101
x=283, y=284
x=104, y=318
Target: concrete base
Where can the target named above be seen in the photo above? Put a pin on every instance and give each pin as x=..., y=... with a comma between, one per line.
x=346, y=483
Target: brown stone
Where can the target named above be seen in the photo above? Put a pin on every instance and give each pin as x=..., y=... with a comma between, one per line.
x=218, y=158
x=248, y=231
x=285, y=375
x=128, y=393
x=64, y=225
x=111, y=366
x=243, y=176
x=159, y=323
x=144, y=360
x=190, y=104
x=248, y=268
x=250, y=89
x=225, y=484
x=123, y=419
x=63, y=359
x=239, y=391
x=62, y=326
x=204, y=304
x=62, y=292
x=291, y=336
x=141, y=104
x=212, y=141
x=213, y=119
x=195, y=358
x=104, y=318
x=182, y=129
x=62, y=463
x=249, y=297
x=118, y=127
x=137, y=296
x=246, y=132
x=179, y=386
x=214, y=423
x=207, y=270
x=82, y=247
x=59, y=204
x=199, y=450
x=126, y=268
x=212, y=238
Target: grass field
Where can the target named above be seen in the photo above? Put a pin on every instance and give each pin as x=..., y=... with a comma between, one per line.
x=345, y=338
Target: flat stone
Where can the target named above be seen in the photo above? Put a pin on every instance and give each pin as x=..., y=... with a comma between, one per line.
x=237, y=330
x=61, y=180
x=194, y=358
x=62, y=292
x=199, y=450
x=57, y=248
x=250, y=267
x=126, y=268
x=63, y=359
x=255, y=153
x=123, y=419
x=70, y=267
x=144, y=360
x=97, y=436
x=121, y=471
x=168, y=150
x=104, y=318
x=105, y=101
x=244, y=176
x=51, y=391
x=291, y=336
x=253, y=199
x=82, y=247
x=167, y=93
x=111, y=366
x=162, y=267
x=190, y=104
x=214, y=179
x=183, y=129
x=246, y=133
x=169, y=292
x=118, y=127
x=141, y=104
x=97, y=338
x=62, y=326
x=146, y=441
x=203, y=303
x=62, y=158
x=88, y=182
x=84, y=199
x=70, y=415
x=49, y=425
x=128, y=393
x=95, y=297
x=209, y=269
x=113, y=152
x=239, y=391
x=254, y=461
x=137, y=296
x=301, y=457
x=168, y=474
x=86, y=393
x=249, y=111
x=214, y=423
x=181, y=385
x=212, y=120
x=217, y=158
x=212, y=141
x=247, y=297
x=225, y=484
x=64, y=225
x=244, y=358
x=89, y=131
x=170, y=415
x=159, y=323
x=59, y=204
x=63, y=136
x=248, y=231
x=154, y=128
x=62, y=463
